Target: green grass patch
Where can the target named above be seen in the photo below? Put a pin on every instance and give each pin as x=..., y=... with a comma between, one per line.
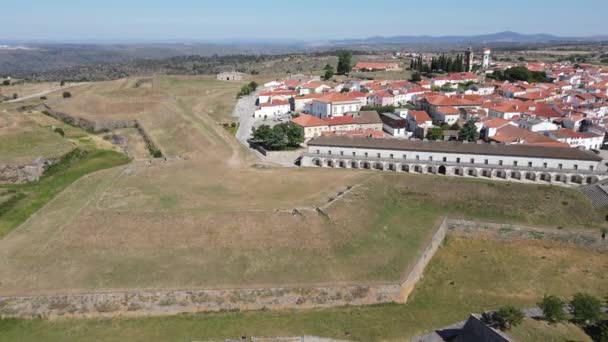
x=232, y=128
x=32, y=196
x=534, y=330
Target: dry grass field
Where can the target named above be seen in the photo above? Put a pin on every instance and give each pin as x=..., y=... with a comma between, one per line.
x=22, y=139
x=216, y=218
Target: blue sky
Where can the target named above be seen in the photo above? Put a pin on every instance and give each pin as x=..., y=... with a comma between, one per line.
x=146, y=20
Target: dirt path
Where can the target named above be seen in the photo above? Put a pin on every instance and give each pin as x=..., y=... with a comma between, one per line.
x=46, y=92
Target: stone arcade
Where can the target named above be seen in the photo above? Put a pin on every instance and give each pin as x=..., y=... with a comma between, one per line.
x=566, y=166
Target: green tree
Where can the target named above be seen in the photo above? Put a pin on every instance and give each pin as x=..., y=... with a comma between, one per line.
x=553, y=308
x=468, y=132
x=62, y=83
x=261, y=133
x=435, y=133
x=6, y=82
x=253, y=85
x=416, y=77
x=344, y=63
x=508, y=316
x=295, y=135
x=586, y=308
x=329, y=72
x=603, y=332
x=446, y=87
x=59, y=131
x=277, y=139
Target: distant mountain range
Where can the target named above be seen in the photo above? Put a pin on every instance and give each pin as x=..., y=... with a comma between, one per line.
x=500, y=37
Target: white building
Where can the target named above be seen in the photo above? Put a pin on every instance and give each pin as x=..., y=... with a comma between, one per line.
x=395, y=125
x=272, y=109
x=537, y=125
x=508, y=162
x=585, y=140
x=335, y=105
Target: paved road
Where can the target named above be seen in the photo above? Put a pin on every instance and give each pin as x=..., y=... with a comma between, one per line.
x=46, y=92
x=244, y=109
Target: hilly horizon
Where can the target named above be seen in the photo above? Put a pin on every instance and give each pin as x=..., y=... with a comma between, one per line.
x=499, y=37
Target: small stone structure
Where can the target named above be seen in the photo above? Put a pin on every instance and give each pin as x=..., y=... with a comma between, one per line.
x=230, y=76
x=19, y=174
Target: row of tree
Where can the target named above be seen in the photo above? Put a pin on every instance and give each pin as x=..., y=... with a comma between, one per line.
x=585, y=310
x=247, y=89
x=279, y=137
x=439, y=64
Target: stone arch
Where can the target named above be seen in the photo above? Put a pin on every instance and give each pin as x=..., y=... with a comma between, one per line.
x=379, y=166
x=592, y=180
x=431, y=170
x=317, y=162
x=418, y=168
x=501, y=174
x=486, y=173
x=458, y=171
x=342, y=164
x=442, y=170
x=367, y=165
x=561, y=178
x=577, y=179
x=330, y=163
x=472, y=172
x=546, y=177
x=516, y=175
x=531, y=176
x=392, y=167
x=405, y=168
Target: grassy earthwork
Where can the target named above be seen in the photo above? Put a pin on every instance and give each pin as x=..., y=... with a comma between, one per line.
x=212, y=216
x=517, y=273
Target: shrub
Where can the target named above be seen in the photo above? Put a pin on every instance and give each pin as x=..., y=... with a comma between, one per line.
x=586, y=308
x=553, y=308
x=507, y=317
x=157, y=154
x=59, y=131
x=6, y=82
x=67, y=94
x=15, y=96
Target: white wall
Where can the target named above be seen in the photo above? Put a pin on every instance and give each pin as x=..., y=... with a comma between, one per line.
x=414, y=156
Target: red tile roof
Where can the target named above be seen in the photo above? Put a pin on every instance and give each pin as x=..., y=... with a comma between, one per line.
x=514, y=135
x=420, y=116
x=306, y=120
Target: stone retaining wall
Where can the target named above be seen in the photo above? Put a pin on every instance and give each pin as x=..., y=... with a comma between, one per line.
x=175, y=302
x=502, y=231
x=103, y=126
x=408, y=282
